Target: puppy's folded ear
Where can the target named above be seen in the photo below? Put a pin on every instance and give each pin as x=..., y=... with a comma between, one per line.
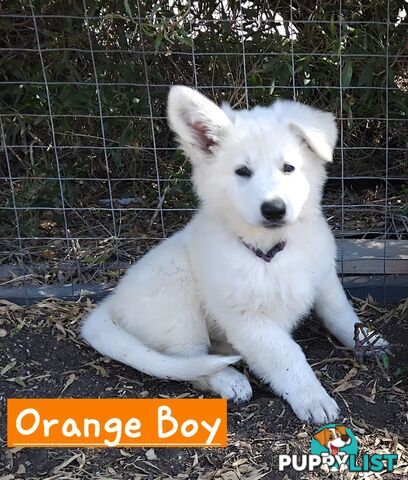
x=318, y=129
x=198, y=122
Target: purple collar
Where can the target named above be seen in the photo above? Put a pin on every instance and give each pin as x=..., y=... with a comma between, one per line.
x=267, y=257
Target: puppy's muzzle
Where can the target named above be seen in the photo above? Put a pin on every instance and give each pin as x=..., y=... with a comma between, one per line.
x=273, y=210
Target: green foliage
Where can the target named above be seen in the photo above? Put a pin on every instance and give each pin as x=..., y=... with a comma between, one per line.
x=154, y=46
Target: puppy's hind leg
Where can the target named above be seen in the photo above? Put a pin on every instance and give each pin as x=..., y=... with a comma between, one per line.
x=227, y=383
x=101, y=331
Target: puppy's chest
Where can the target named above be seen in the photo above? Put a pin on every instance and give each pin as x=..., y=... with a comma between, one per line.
x=286, y=286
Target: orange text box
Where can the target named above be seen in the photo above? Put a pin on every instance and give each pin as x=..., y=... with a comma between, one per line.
x=91, y=422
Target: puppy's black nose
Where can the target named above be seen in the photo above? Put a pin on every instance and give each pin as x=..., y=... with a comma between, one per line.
x=274, y=209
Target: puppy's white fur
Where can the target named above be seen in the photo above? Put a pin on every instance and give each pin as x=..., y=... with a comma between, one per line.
x=202, y=288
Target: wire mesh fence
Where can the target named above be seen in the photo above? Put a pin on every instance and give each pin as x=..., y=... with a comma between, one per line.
x=91, y=177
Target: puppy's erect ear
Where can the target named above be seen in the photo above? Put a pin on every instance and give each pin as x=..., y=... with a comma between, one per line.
x=322, y=437
x=317, y=129
x=199, y=123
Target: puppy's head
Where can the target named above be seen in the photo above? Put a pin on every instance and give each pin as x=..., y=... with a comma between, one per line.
x=263, y=167
x=333, y=437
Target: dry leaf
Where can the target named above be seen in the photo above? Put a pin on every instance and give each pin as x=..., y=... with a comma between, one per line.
x=184, y=395
x=66, y=462
x=231, y=475
x=19, y=380
x=350, y=374
x=347, y=386
x=151, y=454
x=257, y=475
x=240, y=462
x=15, y=450
x=373, y=391
x=8, y=367
x=70, y=381
x=124, y=453
x=364, y=397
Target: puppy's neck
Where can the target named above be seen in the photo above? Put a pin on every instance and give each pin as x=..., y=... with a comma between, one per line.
x=263, y=238
x=256, y=236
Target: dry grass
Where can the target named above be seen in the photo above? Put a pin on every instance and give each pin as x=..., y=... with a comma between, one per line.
x=41, y=355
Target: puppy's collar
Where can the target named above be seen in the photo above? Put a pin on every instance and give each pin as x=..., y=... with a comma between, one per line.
x=266, y=256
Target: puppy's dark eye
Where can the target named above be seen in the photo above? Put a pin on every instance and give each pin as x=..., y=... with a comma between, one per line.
x=244, y=172
x=287, y=168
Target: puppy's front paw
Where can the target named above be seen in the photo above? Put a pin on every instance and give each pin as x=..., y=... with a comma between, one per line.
x=314, y=406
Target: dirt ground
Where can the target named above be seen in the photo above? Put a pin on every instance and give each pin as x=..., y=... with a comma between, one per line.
x=42, y=356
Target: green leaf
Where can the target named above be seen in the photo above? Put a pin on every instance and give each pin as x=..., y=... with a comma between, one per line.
x=401, y=371
x=272, y=87
x=391, y=78
x=183, y=38
x=158, y=42
x=269, y=67
x=366, y=76
x=350, y=117
x=18, y=328
x=385, y=360
x=347, y=74
x=252, y=80
x=156, y=8
x=127, y=8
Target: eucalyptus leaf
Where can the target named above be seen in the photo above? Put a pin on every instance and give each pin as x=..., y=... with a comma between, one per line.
x=127, y=8
x=347, y=74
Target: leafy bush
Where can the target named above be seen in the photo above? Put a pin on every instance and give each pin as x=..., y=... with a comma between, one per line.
x=133, y=55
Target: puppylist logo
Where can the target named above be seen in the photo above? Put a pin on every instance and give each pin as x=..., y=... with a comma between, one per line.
x=334, y=448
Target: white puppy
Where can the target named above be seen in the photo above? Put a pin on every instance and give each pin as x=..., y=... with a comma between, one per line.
x=256, y=257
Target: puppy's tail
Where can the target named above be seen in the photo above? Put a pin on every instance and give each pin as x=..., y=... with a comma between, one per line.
x=100, y=331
